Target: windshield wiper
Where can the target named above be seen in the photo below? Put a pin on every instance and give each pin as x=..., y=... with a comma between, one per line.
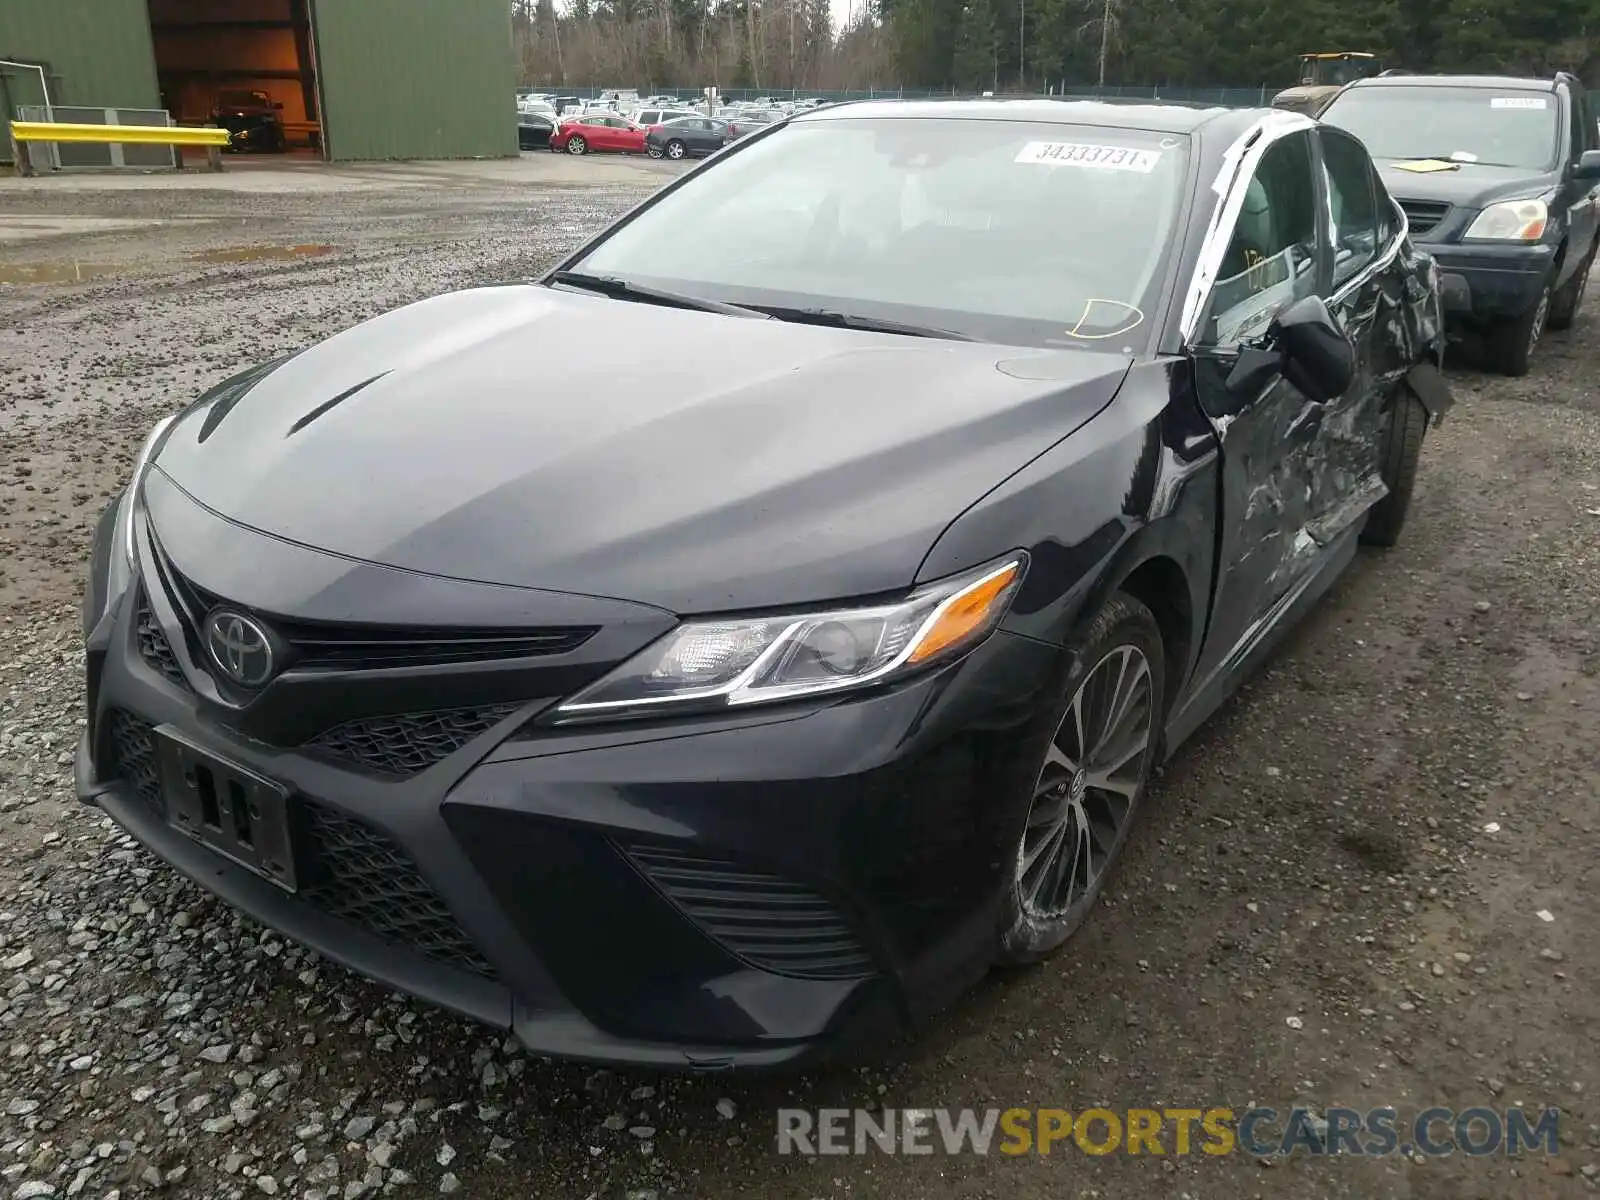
x=844, y=320
x=622, y=289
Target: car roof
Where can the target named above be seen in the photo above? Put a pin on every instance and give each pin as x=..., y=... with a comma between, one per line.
x=1460, y=81
x=1152, y=115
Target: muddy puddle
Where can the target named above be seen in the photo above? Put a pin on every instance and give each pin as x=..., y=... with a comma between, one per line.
x=240, y=254
x=58, y=272
x=83, y=272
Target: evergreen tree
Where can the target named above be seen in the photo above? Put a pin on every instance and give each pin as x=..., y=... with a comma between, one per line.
x=977, y=48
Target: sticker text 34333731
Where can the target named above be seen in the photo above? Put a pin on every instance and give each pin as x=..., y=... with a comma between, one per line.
x=1085, y=154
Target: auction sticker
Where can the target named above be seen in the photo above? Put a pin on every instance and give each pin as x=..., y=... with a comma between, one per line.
x=1518, y=102
x=1085, y=154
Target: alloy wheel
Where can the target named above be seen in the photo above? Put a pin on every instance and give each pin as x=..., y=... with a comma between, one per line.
x=1084, y=795
x=577, y=146
x=1540, y=315
x=674, y=149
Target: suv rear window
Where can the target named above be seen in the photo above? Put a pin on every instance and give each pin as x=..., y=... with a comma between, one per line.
x=1507, y=127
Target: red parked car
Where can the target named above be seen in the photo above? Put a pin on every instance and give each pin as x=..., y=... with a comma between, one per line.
x=598, y=131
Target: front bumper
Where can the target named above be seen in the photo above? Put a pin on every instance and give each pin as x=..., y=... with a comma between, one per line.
x=706, y=893
x=1489, y=282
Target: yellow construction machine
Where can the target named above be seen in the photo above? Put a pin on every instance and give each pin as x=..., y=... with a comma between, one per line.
x=1321, y=77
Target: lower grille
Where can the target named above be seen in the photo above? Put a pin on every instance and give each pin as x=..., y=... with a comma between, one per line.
x=154, y=648
x=407, y=744
x=131, y=756
x=770, y=922
x=369, y=881
x=1423, y=215
x=356, y=873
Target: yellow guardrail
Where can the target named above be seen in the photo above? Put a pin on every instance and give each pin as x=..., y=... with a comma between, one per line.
x=210, y=137
x=137, y=135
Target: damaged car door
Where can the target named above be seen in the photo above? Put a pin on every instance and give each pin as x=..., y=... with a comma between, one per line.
x=1368, y=301
x=1268, y=427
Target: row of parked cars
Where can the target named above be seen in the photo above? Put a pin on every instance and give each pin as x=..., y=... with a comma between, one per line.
x=660, y=126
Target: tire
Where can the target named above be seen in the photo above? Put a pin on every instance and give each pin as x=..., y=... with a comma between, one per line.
x=1034, y=919
x=676, y=149
x=1402, y=446
x=576, y=145
x=1568, y=298
x=653, y=151
x=1511, y=343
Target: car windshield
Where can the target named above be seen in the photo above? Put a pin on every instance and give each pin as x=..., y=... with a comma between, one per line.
x=1030, y=234
x=1502, y=126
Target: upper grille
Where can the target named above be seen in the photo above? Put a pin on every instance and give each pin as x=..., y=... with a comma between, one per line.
x=1423, y=215
x=771, y=923
x=404, y=745
x=368, y=880
x=354, y=647
x=153, y=645
x=356, y=873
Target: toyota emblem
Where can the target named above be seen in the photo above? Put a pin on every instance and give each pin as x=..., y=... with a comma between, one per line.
x=240, y=648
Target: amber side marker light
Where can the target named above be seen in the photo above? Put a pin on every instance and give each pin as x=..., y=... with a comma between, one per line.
x=966, y=613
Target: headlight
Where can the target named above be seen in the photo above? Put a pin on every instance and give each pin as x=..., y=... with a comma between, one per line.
x=120, y=568
x=1510, y=221
x=756, y=660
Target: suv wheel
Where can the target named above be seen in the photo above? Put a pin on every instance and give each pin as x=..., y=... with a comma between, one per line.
x=1568, y=297
x=1511, y=343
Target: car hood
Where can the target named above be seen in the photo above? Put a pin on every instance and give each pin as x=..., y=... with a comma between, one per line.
x=1471, y=185
x=525, y=436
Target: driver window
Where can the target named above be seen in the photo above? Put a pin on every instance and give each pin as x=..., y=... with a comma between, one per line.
x=1350, y=205
x=1271, y=259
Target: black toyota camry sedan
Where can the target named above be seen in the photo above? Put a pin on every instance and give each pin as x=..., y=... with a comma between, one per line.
x=736, y=642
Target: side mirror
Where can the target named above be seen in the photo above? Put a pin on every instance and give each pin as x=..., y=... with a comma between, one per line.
x=1587, y=166
x=1304, y=345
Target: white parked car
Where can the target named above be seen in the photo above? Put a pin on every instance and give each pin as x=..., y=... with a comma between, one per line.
x=656, y=116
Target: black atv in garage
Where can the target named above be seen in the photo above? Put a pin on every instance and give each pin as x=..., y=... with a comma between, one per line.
x=253, y=119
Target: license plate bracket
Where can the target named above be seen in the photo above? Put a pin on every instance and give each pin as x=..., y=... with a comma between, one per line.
x=228, y=808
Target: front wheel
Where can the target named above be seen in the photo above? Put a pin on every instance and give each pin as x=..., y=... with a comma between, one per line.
x=1402, y=447
x=1105, y=732
x=676, y=149
x=1568, y=298
x=576, y=145
x=1511, y=343
x=653, y=151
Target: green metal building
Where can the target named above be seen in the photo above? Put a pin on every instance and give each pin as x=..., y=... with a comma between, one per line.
x=355, y=79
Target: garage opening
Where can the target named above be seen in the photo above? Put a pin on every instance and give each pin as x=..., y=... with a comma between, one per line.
x=248, y=65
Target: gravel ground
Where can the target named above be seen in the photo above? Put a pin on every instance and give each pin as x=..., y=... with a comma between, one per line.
x=1332, y=898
